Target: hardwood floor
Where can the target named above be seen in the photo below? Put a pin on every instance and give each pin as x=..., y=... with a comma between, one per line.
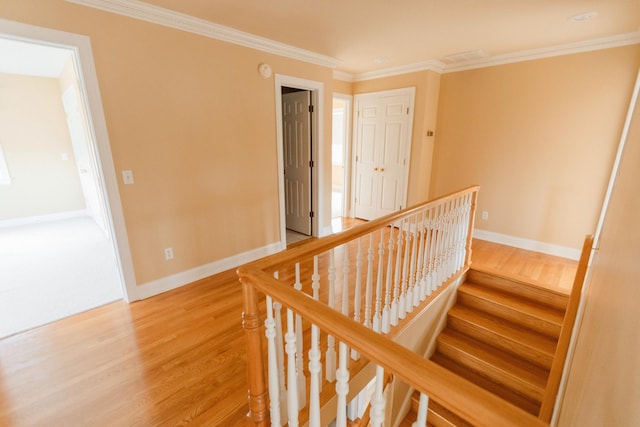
x=545, y=270
x=174, y=359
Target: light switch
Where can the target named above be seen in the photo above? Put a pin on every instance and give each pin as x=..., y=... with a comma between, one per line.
x=127, y=177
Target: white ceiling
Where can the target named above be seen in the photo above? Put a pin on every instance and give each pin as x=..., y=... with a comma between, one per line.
x=31, y=59
x=372, y=35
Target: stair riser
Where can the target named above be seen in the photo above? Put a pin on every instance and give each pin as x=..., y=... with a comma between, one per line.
x=538, y=294
x=516, y=399
x=510, y=314
x=487, y=336
x=489, y=371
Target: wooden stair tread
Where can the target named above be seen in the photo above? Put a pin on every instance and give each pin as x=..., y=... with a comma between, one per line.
x=530, y=290
x=534, y=316
x=533, y=407
x=512, y=372
x=526, y=306
x=532, y=346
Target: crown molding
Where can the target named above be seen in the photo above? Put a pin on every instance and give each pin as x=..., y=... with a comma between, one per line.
x=548, y=52
x=525, y=55
x=168, y=18
x=343, y=75
x=432, y=64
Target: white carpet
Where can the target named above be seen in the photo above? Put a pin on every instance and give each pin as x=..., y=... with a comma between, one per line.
x=53, y=270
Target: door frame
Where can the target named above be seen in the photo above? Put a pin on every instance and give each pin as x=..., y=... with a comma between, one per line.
x=411, y=91
x=347, y=207
x=80, y=47
x=317, y=150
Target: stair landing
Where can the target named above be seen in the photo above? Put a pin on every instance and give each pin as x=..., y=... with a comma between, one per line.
x=546, y=271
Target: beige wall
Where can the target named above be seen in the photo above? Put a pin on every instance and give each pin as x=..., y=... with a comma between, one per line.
x=427, y=84
x=340, y=86
x=34, y=136
x=604, y=380
x=539, y=137
x=195, y=122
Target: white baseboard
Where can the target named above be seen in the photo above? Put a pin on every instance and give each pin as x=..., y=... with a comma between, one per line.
x=37, y=219
x=177, y=280
x=530, y=245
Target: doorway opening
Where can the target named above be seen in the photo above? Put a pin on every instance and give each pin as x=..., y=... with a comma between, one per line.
x=340, y=163
x=58, y=248
x=299, y=124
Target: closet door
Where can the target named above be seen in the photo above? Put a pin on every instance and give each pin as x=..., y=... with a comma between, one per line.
x=383, y=144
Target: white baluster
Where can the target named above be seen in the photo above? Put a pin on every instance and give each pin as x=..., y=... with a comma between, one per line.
x=292, y=392
x=357, y=293
x=419, y=264
x=377, y=400
x=428, y=261
x=405, y=297
x=315, y=285
x=423, y=409
x=396, y=279
x=315, y=279
x=425, y=255
x=369, y=284
x=272, y=365
x=437, y=264
x=330, y=358
x=342, y=387
x=345, y=280
x=302, y=381
x=386, y=311
x=315, y=368
x=280, y=358
x=378, y=307
x=449, y=254
x=412, y=275
x=434, y=250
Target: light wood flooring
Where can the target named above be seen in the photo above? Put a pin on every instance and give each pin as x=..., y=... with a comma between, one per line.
x=173, y=359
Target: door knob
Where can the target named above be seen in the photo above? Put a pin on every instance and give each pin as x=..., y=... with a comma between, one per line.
x=381, y=169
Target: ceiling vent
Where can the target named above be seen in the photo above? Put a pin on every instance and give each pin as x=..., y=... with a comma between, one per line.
x=468, y=56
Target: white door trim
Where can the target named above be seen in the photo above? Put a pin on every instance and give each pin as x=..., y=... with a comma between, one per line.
x=317, y=135
x=81, y=47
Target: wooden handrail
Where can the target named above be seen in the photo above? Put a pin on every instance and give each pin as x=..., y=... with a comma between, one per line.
x=456, y=394
x=555, y=374
x=322, y=245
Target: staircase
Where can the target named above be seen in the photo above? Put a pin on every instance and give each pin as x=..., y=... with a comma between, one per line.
x=501, y=335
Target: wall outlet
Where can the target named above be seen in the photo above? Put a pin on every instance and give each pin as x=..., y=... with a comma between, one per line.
x=168, y=253
x=485, y=215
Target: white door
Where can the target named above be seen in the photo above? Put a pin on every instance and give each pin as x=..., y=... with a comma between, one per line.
x=383, y=126
x=297, y=160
